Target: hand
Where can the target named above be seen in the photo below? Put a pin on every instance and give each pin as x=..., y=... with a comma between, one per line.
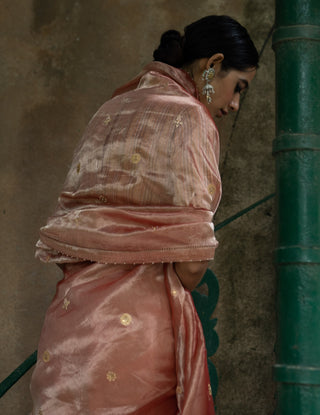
x=190, y=273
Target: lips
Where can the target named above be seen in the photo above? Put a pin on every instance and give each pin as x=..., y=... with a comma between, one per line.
x=221, y=113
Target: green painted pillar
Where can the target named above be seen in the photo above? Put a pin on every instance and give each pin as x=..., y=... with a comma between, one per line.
x=296, y=42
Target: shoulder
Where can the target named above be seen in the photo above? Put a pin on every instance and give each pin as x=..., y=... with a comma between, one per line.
x=195, y=117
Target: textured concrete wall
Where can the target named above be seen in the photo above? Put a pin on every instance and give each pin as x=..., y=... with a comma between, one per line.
x=60, y=60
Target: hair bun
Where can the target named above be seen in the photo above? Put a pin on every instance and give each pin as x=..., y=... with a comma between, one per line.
x=170, y=50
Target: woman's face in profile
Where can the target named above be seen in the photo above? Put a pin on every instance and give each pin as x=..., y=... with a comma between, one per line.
x=228, y=86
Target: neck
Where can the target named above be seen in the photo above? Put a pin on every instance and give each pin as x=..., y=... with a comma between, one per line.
x=189, y=70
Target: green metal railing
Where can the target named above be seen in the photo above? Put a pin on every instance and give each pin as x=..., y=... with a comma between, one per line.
x=205, y=306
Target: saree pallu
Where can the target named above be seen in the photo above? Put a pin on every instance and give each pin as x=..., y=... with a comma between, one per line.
x=122, y=335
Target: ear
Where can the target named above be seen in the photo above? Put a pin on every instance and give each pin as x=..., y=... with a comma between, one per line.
x=214, y=60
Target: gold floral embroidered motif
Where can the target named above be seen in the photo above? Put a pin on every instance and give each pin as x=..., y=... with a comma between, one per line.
x=66, y=303
x=125, y=319
x=212, y=189
x=107, y=120
x=111, y=376
x=102, y=199
x=46, y=356
x=178, y=121
x=209, y=389
x=179, y=390
x=135, y=158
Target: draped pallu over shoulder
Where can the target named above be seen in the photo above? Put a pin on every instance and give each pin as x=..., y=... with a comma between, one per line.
x=122, y=335
x=144, y=183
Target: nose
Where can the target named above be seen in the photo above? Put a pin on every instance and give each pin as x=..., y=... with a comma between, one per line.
x=234, y=104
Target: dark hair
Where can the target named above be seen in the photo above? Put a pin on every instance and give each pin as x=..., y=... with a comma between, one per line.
x=204, y=38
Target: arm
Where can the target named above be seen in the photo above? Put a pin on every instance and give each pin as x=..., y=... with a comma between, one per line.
x=190, y=273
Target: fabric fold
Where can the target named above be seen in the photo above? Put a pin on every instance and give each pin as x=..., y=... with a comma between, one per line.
x=130, y=235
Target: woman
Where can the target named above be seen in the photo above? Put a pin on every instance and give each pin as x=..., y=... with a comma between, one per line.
x=133, y=234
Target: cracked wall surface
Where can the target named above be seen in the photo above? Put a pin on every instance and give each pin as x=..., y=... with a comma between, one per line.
x=60, y=60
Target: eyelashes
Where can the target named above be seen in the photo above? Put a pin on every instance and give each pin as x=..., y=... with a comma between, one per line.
x=241, y=88
x=238, y=89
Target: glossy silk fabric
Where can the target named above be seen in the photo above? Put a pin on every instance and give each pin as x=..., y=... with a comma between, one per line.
x=122, y=335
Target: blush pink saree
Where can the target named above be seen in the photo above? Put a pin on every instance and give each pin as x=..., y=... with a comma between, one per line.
x=122, y=335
